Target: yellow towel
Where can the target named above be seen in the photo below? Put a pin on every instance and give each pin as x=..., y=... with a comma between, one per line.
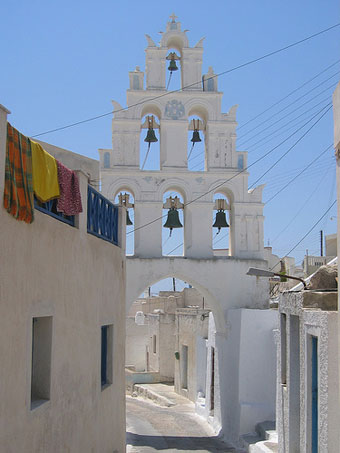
x=45, y=174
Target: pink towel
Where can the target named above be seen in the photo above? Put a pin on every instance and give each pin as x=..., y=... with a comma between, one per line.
x=69, y=201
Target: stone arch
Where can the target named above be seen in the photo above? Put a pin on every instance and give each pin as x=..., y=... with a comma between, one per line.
x=159, y=274
x=122, y=184
x=175, y=40
x=200, y=108
x=230, y=190
x=175, y=184
x=153, y=108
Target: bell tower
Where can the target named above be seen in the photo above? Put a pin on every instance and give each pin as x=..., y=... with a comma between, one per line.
x=172, y=198
x=173, y=115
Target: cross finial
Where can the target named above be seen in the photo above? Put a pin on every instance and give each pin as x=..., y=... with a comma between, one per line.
x=173, y=17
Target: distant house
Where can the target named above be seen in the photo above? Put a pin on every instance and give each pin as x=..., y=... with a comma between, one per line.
x=62, y=311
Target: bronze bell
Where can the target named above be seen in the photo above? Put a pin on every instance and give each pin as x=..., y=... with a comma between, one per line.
x=172, y=65
x=150, y=136
x=196, y=136
x=220, y=220
x=173, y=220
x=128, y=220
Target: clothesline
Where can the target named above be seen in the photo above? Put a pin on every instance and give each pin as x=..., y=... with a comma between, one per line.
x=29, y=171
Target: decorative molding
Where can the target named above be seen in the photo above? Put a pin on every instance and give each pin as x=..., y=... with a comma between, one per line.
x=174, y=109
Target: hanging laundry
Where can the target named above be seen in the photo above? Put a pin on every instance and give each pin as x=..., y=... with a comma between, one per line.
x=18, y=192
x=45, y=174
x=70, y=200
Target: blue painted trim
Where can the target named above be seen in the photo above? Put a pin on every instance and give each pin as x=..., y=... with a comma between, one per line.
x=315, y=437
x=104, y=332
x=102, y=216
x=50, y=208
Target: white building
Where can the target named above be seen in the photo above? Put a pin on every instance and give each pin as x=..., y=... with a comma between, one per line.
x=307, y=377
x=219, y=275
x=62, y=312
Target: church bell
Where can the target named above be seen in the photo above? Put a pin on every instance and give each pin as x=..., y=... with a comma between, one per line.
x=196, y=136
x=173, y=220
x=151, y=136
x=220, y=220
x=128, y=220
x=172, y=65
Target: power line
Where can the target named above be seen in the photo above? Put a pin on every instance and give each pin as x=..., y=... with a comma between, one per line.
x=243, y=170
x=287, y=96
x=270, y=187
x=302, y=207
x=295, y=177
x=284, y=125
x=293, y=146
x=255, y=60
x=280, y=111
x=308, y=232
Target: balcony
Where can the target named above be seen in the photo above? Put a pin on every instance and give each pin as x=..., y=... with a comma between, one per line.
x=102, y=215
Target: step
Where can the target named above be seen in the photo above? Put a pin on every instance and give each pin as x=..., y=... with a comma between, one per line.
x=264, y=440
x=146, y=392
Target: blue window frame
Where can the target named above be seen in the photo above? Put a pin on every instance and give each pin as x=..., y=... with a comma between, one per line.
x=315, y=439
x=104, y=355
x=50, y=208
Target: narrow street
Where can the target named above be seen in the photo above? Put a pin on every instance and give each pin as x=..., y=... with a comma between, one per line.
x=151, y=427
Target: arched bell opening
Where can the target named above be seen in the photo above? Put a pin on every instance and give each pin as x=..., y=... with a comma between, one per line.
x=221, y=237
x=125, y=198
x=173, y=224
x=173, y=70
x=196, y=143
x=150, y=142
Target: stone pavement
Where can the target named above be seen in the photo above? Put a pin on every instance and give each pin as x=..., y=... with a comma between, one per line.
x=168, y=428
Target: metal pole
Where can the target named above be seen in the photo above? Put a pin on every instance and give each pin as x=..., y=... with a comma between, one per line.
x=321, y=243
x=174, y=284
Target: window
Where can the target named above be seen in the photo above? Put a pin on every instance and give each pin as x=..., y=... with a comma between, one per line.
x=106, y=160
x=106, y=355
x=283, y=327
x=154, y=343
x=136, y=82
x=240, y=162
x=184, y=367
x=211, y=84
x=41, y=360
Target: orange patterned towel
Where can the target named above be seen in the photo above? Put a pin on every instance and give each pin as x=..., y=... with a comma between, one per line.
x=18, y=192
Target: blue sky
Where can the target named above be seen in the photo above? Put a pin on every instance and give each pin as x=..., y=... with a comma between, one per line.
x=64, y=61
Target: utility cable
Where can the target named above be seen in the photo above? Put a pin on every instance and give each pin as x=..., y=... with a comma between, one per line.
x=240, y=171
x=288, y=114
x=287, y=96
x=293, y=146
x=295, y=177
x=308, y=232
x=284, y=125
x=255, y=60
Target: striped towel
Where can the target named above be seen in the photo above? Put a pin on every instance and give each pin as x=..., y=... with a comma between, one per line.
x=69, y=201
x=18, y=192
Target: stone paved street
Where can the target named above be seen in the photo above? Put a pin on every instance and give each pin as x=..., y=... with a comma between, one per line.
x=151, y=427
